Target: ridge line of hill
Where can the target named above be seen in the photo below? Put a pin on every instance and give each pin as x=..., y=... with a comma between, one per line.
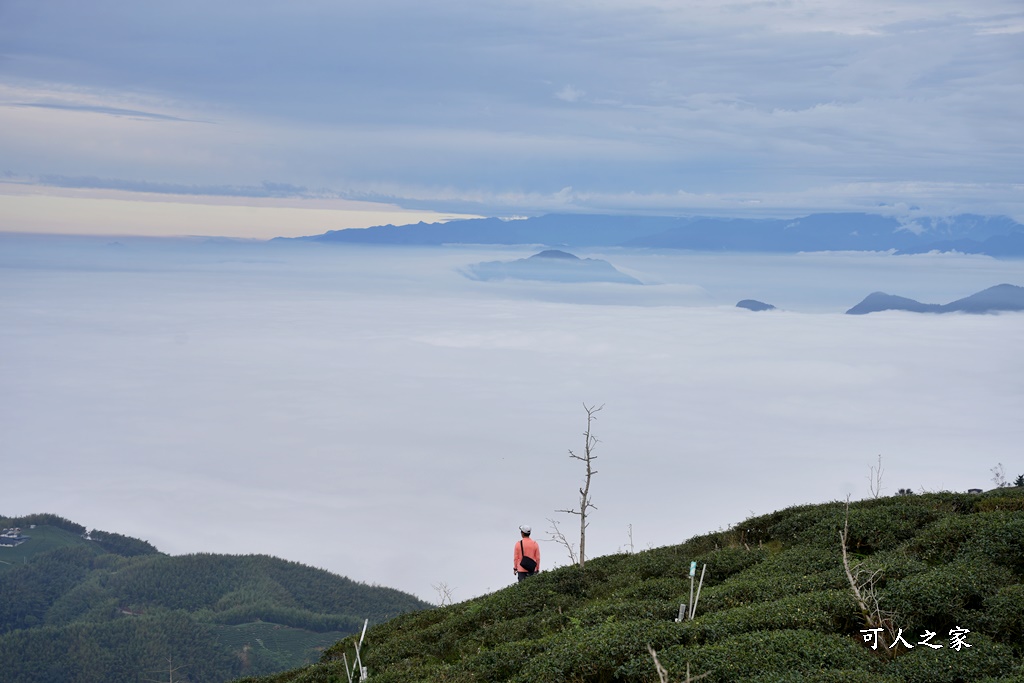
x=79, y=605
x=997, y=236
x=776, y=606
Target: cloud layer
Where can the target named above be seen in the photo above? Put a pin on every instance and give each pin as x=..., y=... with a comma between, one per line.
x=367, y=410
x=576, y=106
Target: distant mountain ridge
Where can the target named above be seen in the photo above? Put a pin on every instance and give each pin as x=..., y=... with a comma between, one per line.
x=999, y=298
x=551, y=265
x=993, y=235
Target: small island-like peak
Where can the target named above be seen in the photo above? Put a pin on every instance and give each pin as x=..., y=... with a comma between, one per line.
x=556, y=253
x=550, y=265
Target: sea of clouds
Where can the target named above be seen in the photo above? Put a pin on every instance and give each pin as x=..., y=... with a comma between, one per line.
x=371, y=411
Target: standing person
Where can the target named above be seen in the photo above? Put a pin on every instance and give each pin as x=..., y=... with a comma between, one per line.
x=526, y=556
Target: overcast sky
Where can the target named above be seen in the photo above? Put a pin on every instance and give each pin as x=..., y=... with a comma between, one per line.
x=510, y=107
x=373, y=412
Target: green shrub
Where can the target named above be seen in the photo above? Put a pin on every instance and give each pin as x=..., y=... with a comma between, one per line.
x=505, y=661
x=663, y=562
x=726, y=562
x=886, y=526
x=604, y=611
x=942, y=540
x=832, y=676
x=664, y=588
x=952, y=503
x=759, y=654
x=924, y=665
x=828, y=611
x=1001, y=503
x=895, y=565
x=1003, y=617
x=997, y=538
x=944, y=597
x=594, y=654
x=782, y=574
x=803, y=525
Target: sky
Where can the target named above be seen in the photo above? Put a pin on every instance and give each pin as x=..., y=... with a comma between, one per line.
x=32, y=208
x=374, y=412
x=510, y=108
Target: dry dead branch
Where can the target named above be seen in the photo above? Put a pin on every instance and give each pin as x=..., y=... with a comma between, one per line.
x=589, y=443
x=864, y=589
x=875, y=479
x=555, y=534
x=663, y=674
x=444, y=593
x=171, y=669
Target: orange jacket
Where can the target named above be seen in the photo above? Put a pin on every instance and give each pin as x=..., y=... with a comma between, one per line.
x=532, y=550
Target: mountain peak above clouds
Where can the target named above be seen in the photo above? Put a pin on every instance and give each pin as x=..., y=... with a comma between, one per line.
x=880, y=301
x=551, y=265
x=556, y=254
x=1002, y=297
x=754, y=305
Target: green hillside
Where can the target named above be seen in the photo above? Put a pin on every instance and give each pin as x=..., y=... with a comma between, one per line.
x=99, y=606
x=777, y=606
x=43, y=540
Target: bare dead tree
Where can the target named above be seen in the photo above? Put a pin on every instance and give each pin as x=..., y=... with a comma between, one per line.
x=589, y=443
x=999, y=476
x=444, y=593
x=555, y=534
x=865, y=594
x=170, y=673
x=875, y=480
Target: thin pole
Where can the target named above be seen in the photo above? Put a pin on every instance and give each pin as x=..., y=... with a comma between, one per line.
x=694, y=610
x=359, y=660
x=693, y=570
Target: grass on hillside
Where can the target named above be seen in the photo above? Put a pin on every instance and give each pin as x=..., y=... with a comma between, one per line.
x=777, y=606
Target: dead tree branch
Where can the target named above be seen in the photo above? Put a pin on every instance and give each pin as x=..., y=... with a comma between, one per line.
x=865, y=594
x=171, y=669
x=444, y=593
x=589, y=444
x=556, y=535
x=663, y=673
x=875, y=480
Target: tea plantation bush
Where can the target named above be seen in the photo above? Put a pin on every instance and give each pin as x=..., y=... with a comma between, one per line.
x=776, y=606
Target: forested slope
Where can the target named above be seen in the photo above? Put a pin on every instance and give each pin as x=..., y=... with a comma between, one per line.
x=99, y=606
x=777, y=606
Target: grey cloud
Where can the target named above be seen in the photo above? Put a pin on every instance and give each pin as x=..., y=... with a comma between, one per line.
x=263, y=190
x=607, y=97
x=111, y=111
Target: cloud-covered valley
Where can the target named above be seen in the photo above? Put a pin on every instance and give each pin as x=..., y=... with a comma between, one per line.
x=370, y=409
